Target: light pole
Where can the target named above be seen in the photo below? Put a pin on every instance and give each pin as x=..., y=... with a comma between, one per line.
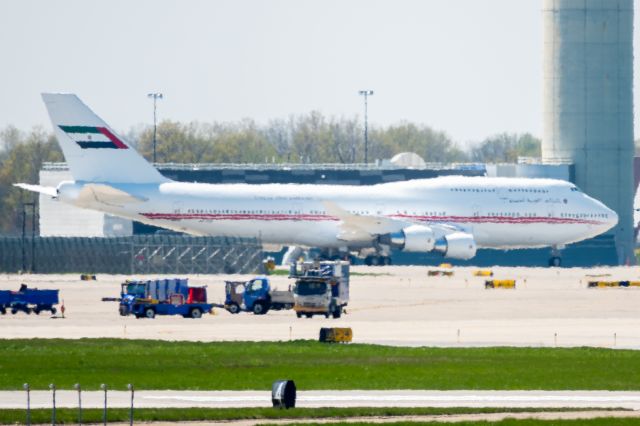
x=155, y=97
x=366, y=94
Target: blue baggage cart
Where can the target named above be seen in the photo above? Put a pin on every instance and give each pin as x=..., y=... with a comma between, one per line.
x=5, y=301
x=34, y=300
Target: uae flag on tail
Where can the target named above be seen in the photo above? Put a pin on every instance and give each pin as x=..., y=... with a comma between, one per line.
x=93, y=137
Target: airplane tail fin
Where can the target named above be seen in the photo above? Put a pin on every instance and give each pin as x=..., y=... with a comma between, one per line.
x=92, y=149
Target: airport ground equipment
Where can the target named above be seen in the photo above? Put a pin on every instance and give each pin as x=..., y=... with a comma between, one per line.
x=321, y=288
x=336, y=335
x=511, y=284
x=146, y=299
x=605, y=284
x=28, y=300
x=255, y=295
x=439, y=273
x=87, y=277
x=483, y=273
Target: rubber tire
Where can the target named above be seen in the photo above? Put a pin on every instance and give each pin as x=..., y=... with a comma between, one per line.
x=555, y=262
x=337, y=312
x=299, y=314
x=309, y=315
x=53, y=311
x=149, y=313
x=14, y=311
x=234, y=308
x=36, y=311
x=259, y=308
x=196, y=313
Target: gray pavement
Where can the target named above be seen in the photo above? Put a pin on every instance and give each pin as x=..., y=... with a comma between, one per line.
x=397, y=306
x=327, y=398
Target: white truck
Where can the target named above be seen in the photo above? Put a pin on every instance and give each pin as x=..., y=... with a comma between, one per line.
x=321, y=288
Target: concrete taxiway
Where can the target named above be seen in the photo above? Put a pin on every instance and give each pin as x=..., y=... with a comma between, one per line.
x=389, y=305
x=356, y=398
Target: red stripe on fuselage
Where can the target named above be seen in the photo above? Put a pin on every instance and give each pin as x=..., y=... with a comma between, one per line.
x=319, y=218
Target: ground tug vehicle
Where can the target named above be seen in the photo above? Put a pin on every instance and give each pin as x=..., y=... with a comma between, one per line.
x=255, y=296
x=146, y=299
x=321, y=288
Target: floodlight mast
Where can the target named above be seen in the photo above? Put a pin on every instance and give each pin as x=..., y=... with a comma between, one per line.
x=366, y=94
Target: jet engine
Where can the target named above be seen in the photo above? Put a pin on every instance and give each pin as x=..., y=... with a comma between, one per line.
x=416, y=238
x=420, y=238
x=458, y=245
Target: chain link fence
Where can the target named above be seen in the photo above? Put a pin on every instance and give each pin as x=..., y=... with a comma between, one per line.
x=140, y=254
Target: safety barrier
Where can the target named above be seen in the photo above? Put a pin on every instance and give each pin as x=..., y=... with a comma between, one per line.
x=510, y=284
x=604, y=284
x=336, y=335
x=439, y=273
x=140, y=254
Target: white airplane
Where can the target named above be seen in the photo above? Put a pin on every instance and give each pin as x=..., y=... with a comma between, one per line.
x=449, y=215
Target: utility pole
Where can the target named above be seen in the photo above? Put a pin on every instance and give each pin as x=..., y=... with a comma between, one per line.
x=155, y=97
x=366, y=94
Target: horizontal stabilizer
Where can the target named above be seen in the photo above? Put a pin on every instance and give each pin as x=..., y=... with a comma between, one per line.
x=46, y=190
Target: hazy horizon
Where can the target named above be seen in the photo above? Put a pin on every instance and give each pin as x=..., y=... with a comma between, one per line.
x=471, y=69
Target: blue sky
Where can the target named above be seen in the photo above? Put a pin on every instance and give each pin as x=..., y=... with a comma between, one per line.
x=470, y=68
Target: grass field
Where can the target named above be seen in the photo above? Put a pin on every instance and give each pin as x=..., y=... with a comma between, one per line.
x=152, y=364
x=69, y=415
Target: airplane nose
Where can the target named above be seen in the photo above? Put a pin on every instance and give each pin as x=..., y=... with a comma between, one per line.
x=613, y=218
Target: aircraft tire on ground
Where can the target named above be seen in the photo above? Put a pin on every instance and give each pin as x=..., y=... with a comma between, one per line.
x=555, y=261
x=53, y=310
x=299, y=314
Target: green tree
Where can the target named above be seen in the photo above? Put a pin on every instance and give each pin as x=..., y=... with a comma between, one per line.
x=21, y=162
x=506, y=148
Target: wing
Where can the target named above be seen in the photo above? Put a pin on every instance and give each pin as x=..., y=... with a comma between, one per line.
x=355, y=227
x=361, y=228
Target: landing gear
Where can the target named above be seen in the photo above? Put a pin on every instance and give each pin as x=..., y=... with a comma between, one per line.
x=375, y=260
x=555, y=261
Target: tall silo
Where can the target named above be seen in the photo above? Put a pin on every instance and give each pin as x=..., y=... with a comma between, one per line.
x=588, y=101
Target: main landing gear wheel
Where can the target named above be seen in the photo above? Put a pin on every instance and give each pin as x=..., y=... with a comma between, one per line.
x=377, y=260
x=555, y=261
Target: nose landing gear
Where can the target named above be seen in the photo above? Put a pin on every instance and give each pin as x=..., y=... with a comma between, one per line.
x=555, y=261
